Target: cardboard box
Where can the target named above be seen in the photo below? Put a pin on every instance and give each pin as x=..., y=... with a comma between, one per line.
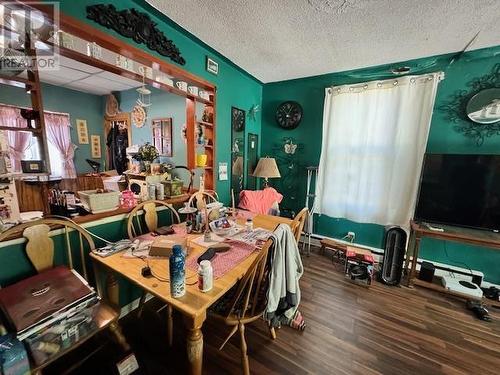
x=162, y=245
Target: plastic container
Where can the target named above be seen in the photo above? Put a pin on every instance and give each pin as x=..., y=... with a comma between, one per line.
x=249, y=225
x=205, y=276
x=177, y=272
x=100, y=202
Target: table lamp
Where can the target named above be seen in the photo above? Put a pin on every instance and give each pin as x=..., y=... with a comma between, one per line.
x=266, y=168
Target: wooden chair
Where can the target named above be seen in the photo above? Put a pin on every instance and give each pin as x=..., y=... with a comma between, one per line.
x=246, y=305
x=41, y=251
x=298, y=223
x=202, y=198
x=137, y=227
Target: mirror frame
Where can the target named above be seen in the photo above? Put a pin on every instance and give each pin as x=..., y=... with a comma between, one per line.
x=91, y=34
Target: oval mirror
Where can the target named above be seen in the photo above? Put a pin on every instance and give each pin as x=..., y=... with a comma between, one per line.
x=484, y=107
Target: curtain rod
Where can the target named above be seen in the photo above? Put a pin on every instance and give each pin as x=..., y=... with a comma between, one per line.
x=29, y=108
x=380, y=82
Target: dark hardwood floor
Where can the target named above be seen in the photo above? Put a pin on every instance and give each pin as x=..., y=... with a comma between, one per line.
x=350, y=330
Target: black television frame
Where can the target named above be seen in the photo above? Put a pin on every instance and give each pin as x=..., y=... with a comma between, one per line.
x=423, y=221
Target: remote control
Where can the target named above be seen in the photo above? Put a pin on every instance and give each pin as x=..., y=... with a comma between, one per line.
x=435, y=229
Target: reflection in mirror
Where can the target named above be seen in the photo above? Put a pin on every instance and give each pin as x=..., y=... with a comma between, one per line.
x=162, y=135
x=237, y=164
x=252, y=160
x=484, y=107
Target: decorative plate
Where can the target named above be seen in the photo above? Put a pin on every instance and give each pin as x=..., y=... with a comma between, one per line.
x=138, y=116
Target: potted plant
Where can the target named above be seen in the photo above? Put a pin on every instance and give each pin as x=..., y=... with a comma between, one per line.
x=146, y=155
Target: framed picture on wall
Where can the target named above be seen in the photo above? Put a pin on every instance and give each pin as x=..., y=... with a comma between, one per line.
x=162, y=135
x=95, y=141
x=81, y=129
x=212, y=66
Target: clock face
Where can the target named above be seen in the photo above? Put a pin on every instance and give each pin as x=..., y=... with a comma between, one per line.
x=289, y=114
x=237, y=119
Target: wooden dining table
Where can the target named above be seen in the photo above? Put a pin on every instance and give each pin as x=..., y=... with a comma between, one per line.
x=194, y=304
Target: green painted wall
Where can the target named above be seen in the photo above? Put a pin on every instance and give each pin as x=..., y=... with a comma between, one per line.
x=78, y=104
x=234, y=86
x=309, y=92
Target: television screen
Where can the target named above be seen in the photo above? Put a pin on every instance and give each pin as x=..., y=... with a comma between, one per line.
x=462, y=190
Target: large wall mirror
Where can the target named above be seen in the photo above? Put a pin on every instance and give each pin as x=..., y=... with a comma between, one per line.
x=98, y=107
x=484, y=107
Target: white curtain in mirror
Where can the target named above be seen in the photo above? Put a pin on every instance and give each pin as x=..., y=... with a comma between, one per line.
x=57, y=127
x=18, y=141
x=374, y=140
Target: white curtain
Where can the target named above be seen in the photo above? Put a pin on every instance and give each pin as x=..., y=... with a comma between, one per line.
x=374, y=140
x=18, y=141
x=61, y=150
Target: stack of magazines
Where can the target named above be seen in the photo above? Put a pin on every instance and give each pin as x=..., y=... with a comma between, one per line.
x=50, y=311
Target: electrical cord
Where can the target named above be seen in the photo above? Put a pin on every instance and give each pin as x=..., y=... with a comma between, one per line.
x=84, y=229
x=145, y=259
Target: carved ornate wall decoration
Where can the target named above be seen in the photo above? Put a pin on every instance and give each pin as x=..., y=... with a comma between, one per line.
x=135, y=25
x=455, y=108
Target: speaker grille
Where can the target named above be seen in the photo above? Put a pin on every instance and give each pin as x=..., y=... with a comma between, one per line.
x=394, y=253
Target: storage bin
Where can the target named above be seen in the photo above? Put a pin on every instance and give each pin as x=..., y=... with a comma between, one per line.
x=173, y=188
x=97, y=202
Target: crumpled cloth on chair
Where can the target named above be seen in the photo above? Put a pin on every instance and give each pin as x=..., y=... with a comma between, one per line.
x=259, y=201
x=283, y=295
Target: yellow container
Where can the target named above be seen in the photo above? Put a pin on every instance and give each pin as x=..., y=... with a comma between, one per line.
x=201, y=160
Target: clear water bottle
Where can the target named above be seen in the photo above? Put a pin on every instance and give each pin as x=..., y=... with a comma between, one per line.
x=177, y=272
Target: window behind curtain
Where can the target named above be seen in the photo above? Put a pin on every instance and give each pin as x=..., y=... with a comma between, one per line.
x=374, y=139
x=25, y=146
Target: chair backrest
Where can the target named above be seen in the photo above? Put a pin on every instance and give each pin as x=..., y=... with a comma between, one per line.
x=298, y=223
x=249, y=299
x=137, y=226
x=40, y=245
x=201, y=198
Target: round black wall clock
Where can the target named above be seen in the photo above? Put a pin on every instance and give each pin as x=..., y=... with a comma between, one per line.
x=289, y=114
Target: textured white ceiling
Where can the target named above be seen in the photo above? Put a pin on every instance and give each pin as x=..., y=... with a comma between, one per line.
x=277, y=40
x=85, y=78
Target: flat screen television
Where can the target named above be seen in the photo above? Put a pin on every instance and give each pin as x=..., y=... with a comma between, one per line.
x=461, y=190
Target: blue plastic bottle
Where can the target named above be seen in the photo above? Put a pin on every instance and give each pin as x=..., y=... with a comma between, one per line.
x=177, y=272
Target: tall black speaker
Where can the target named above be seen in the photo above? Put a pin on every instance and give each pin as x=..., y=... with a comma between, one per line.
x=394, y=255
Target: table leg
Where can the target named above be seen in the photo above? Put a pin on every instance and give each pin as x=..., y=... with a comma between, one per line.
x=409, y=253
x=414, y=260
x=113, y=292
x=195, y=344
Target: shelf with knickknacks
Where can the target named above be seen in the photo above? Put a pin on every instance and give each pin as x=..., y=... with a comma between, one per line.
x=287, y=155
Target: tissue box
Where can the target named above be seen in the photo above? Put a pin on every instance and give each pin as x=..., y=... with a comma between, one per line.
x=97, y=202
x=162, y=245
x=173, y=188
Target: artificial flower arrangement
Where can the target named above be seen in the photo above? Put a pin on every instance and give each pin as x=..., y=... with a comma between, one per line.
x=146, y=154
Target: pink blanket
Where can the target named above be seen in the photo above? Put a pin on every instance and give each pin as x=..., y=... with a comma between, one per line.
x=259, y=201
